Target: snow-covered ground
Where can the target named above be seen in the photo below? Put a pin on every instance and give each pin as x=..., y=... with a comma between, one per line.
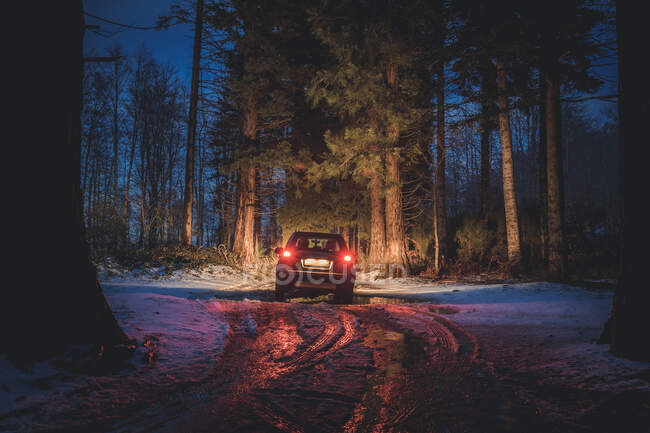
x=541, y=329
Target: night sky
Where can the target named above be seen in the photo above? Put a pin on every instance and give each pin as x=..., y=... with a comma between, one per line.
x=174, y=45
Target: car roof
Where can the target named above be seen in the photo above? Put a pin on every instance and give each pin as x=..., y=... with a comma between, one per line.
x=320, y=234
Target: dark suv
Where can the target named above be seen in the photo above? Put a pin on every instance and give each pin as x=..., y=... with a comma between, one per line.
x=315, y=261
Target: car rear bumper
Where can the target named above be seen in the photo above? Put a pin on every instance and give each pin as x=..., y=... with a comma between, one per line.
x=284, y=275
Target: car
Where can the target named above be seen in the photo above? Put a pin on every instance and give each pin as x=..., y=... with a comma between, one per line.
x=314, y=260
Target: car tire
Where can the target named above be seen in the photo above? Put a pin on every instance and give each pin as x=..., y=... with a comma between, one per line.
x=280, y=292
x=344, y=294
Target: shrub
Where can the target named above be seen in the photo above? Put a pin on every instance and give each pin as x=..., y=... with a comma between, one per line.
x=475, y=241
x=175, y=257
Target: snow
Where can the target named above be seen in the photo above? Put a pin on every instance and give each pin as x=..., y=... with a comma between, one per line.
x=546, y=329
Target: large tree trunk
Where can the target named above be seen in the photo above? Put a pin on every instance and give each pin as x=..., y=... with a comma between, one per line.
x=377, y=220
x=186, y=234
x=440, y=202
x=243, y=244
x=630, y=321
x=556, y=245
x=395, y=253
x=68, y=307
x=509, y=198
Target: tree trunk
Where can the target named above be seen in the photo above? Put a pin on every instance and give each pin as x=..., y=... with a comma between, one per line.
x=116, y=101
x=258, y=214
x=440, y=237
x=243, y=244
x=543, y=186
x=629, y=321
x=395, y=253
x=244, y=225
x=556, y=245
x=485, y=165
x=509, y=198
x=69, y=308
x=377, y=221
x=186, y=234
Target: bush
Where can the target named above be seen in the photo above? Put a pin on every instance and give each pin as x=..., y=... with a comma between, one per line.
x=175, y=257
x=475, y=241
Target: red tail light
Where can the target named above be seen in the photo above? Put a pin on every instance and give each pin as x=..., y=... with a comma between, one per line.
x=286, y=253
x=347, y=258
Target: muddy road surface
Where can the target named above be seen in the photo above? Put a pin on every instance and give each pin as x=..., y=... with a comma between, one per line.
x=294, y=367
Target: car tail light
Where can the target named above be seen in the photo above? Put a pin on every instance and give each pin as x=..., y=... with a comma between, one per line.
x=347, y=258
x=286, y=253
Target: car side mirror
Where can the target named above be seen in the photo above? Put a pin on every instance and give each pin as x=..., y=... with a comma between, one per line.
x=279, y=250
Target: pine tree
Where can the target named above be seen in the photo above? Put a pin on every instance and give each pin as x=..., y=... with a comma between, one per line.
x=188, y=200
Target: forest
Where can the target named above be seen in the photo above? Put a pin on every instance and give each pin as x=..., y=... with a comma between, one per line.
x=450, y=137
x=483, y=162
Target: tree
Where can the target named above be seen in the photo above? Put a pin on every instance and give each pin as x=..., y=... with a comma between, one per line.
x=372, y=84
x=186, y=234
x=509, y=198
x=560, y=34
x=629, y=320
x=69, y=308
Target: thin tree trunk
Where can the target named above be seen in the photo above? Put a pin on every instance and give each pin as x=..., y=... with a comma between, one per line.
x=487, y=124
x=440, y=226
x=509, y=198
x=543, y=187
x=186, y=234
x=116, y=100
x=556, y=244
x=258, y=214
x=127, y=186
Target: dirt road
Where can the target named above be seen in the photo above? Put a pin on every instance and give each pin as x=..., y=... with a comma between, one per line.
x=294, y=367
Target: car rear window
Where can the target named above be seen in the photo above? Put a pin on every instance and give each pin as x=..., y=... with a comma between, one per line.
x=317, y=243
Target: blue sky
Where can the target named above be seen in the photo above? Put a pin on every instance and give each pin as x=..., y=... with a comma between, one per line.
x=173, y=45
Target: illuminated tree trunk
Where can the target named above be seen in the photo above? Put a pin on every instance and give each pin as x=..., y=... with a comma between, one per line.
x=509, y=198
x=186, y=233
x=395, y=253
x=556, y=245
x=243, y=244
x=377, y=220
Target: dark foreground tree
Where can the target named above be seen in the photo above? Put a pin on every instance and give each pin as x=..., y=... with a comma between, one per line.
x=629, y=321
x=66, y=305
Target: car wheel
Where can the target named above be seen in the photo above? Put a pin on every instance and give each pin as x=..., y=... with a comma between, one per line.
x=344, y=294
x=280, y=292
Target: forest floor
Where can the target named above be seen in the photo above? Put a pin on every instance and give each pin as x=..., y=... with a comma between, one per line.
x=215, y=353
